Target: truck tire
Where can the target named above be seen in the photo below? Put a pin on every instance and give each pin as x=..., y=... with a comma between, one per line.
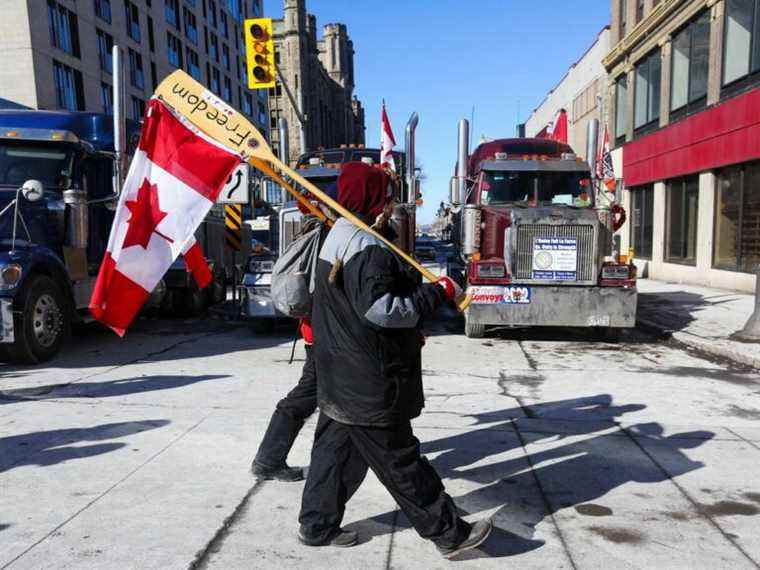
x=262, y=326
x=608, y=334
x=472, y=330
x=41, y=321
x=188, y=302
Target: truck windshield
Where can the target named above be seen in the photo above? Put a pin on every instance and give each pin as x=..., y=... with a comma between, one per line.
x=535, y=188
x=23, y=160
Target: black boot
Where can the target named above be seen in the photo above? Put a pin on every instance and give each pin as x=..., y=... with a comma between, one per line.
x=340, y=537
x=478, y=535
x=270, y=460
x=281, y=473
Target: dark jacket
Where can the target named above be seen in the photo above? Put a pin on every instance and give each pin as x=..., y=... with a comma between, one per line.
x=366, y=340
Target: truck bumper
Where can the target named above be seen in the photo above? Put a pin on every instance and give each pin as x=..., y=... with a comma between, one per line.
x=257, y=304
x=6, y=321
x=567, y=306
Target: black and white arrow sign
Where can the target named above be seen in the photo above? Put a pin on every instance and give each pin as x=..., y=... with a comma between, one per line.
x=235, y=190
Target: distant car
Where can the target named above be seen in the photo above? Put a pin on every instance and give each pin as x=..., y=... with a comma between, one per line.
x=427, y=252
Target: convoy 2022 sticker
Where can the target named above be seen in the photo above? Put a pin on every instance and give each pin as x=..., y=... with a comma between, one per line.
x=511, y=295
x=555, y=259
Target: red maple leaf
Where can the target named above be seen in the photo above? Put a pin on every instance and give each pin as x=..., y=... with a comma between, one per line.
x=145, y=216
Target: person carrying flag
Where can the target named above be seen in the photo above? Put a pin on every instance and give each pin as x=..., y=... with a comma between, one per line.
x=367, y=355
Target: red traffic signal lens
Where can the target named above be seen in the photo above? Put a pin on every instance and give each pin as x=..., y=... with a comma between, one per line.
x=257, y=32
x=259, y=73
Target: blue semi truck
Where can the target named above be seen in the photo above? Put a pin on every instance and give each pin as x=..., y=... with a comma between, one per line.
x=58, y=193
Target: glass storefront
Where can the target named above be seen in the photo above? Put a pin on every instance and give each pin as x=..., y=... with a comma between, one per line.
x=681, y=220
x=641, y=224
x=737, y=218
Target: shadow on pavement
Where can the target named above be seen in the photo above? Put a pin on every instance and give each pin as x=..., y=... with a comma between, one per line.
x=675, y=309
x=526, y=489
x=44, y=448
x=109, y=389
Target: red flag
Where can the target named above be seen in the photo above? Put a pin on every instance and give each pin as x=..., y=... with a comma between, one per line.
x=196, y=264
x=559, y=127
x=174, y=179
x=387, y=142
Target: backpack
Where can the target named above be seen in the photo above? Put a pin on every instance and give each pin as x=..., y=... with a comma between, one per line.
x=292, y=285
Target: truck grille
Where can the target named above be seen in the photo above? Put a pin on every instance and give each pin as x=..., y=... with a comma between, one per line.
x=583, y=234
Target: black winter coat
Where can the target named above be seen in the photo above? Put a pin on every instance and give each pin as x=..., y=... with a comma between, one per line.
x=366, y=337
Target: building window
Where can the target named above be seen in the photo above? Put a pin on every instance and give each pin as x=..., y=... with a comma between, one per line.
x=642, y=215
x=106, y=98
x=639, y=10
x=227, y=92
x=153, y=75
x=215, y=80
x=193, y=64
x=262, y=113
x=690, y=64
x=151, y=37
x=172, y=13
x=69, y=93
x=681, y=220
x=138, y=108
x=647, y=92
x=621, y=115
x=191, y=26
x=212, y=14
x=256, y=7
x=136, y=75
x=133, y=20
x=224, y=26
x=741, y=52
x=174, y=50
x=64, y=31
x=737, y=218
x=103, y=10
x=248, y=104
x=226, y=57
x=105, y=47
x=213, y=47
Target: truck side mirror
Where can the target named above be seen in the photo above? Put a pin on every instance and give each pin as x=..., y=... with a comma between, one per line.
x=33, y=191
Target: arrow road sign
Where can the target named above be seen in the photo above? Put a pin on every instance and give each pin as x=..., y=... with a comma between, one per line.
x=235, y=190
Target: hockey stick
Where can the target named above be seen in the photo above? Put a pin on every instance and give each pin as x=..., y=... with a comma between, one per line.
x=231, y=129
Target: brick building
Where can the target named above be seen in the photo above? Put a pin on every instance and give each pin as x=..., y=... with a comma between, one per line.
x=322, y=71
x=55, y=54
x=684, y=100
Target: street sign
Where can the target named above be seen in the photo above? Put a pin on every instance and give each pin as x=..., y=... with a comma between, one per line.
x=235, y=190
x=233, y=220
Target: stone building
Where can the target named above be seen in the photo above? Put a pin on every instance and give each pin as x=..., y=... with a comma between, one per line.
x=684, y=96
x=56, y=54
x=321, y=72
x=579, y=93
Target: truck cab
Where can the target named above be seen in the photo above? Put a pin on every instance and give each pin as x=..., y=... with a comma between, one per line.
x=534, y=244
x=57, y=201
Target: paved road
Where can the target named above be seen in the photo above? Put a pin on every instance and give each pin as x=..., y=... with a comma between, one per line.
x=133, y=454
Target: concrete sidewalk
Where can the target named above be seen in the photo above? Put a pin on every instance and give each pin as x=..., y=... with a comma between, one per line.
x=699, y=317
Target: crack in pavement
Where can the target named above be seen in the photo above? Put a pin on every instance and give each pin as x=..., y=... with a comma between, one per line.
x=104, y=493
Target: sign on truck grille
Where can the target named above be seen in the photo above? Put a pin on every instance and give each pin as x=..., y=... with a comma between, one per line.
x=547, y=252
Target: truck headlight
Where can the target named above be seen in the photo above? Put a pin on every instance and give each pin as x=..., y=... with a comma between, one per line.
x=491, y=270
x=616, y=272
x=10, y=275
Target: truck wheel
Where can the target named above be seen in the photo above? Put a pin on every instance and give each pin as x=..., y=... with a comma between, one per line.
x=472, y=330
x=188, y=302
x=42, y=323
x=262, y=326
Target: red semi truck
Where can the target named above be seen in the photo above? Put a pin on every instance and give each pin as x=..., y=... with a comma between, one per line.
x=534, y=245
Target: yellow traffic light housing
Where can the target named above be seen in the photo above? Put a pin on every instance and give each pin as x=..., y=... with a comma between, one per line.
x=259, y=48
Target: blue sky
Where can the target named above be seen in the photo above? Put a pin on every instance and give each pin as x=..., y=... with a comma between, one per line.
x=441, y=58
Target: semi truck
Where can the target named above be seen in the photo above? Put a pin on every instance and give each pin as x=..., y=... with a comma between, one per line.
x=58, y=192
x=322, y=168
x=534, y=240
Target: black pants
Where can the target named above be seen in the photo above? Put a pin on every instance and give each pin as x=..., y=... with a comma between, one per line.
x=339, y=461
x=289, y=417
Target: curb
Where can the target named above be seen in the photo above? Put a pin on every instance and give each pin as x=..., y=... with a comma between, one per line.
x=709, y=347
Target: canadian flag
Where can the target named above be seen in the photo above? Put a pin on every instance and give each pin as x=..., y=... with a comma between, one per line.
x=558, y=130
x=387, y=142
x=604, y=170
x=174, y=179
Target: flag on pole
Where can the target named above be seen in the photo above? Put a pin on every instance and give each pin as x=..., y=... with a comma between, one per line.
x=604, y=170
x=387, y=142
x=174, y=179
x=556, y=130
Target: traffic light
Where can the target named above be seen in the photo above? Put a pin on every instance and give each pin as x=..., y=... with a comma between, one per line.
x=259, y=47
